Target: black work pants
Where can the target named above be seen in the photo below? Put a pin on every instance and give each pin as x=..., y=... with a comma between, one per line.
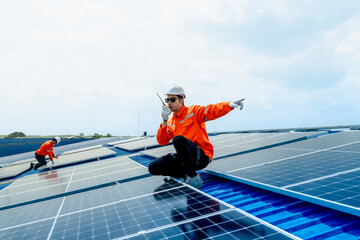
x=186, y=161
x=41, y=161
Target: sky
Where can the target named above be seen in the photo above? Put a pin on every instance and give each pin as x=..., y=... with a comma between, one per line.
x=70, y=67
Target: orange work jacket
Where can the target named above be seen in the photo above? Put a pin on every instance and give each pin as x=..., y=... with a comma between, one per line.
x=190, y=123
x=46, y=149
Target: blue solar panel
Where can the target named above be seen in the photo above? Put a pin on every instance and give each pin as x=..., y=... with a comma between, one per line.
x=354, y=147
x=304, y=169
x=253, y=158
x=133, y=215
x=111, y=194
x=227, y=225
x=136, y=206
x=11, y=171
x=29, y=213
x=80, y=155
x=35, y=230
x=343, y=188
x=299, y=169
x=49, y=184
x=146, y=207
x=138, y=144
x=81, y=150
x=125, y=141
x=231, y=144
x=59, y=149
x=327, y=141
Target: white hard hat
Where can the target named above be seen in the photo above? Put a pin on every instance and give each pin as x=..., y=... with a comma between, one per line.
x=176, y=90
x=57, y=140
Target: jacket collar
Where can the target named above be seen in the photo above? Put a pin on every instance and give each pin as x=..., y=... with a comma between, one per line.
x=182, y=109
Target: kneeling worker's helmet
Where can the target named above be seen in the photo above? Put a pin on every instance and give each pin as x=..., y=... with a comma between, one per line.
x=57, y=139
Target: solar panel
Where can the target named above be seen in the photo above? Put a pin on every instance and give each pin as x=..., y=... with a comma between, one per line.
x=299, y=165
x=10, y=171
x=28, y=160
x=82, y=156
x=299, y=169
x=230, y=144
x=161, y=151
x=26, y=214
x=343, y=188
x=354, y=147
x=287, y=151
x=139, y=144
x=81, y=150
x=57, y=149
x=125, y=141
x=55, y=183
x=262, y=141
x=144, y=208
x=327, y=141
x=227, y=225
x=253, y=158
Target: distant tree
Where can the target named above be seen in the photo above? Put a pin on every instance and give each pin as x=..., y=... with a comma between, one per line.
x=108, y=135
x=96, y=135
x=81, y=134
x=16, y=135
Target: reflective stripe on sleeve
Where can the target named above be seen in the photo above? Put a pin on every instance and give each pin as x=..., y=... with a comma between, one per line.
x=206, y=108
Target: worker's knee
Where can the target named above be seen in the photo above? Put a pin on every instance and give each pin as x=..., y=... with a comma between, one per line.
x=157, y=166
x=153, y=168
x=163, y=165
x=179, y=140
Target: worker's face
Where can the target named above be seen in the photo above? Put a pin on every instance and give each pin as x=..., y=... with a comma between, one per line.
x=54, y=142
x=176, y=105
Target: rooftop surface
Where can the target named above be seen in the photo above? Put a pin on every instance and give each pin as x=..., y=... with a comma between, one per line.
x=286, y=185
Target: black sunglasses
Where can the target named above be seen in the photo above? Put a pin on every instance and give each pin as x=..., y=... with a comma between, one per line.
x=172, y=99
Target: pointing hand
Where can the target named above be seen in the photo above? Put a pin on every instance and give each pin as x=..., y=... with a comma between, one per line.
x=237, y=103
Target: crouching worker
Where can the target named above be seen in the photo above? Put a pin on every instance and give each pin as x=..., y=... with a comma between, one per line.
x=45, y=149
x=186, y=128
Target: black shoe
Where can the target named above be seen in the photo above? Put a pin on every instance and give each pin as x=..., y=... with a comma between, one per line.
x=194, y=181
x=34, y=166
x=31, y=166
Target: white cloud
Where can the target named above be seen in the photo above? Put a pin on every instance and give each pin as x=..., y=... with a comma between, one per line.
x=89, y=66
